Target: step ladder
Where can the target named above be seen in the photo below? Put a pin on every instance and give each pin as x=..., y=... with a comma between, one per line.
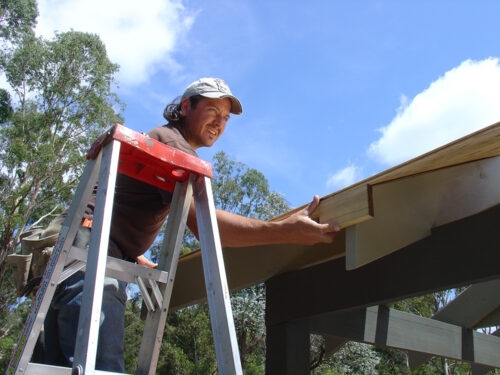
x=122, y=150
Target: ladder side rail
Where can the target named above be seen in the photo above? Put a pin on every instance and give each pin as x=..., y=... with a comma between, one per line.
x=219, y=302
x=169, y=255
x=90, y=310
x=26, y=344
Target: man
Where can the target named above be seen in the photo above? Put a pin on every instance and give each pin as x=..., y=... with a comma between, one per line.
x=197, y=120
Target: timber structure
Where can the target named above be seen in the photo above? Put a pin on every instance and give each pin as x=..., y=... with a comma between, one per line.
x=429, y=224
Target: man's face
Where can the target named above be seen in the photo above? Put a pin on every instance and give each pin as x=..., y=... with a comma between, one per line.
x=205, y=123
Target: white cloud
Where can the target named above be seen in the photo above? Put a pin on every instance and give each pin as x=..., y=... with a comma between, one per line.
x=465, y=99
x=344, y=177
x=139, y=35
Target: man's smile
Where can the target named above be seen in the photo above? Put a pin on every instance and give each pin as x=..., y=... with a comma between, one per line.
x=212, y=131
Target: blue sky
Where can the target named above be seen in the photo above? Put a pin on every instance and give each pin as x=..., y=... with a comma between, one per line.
x=332, y=91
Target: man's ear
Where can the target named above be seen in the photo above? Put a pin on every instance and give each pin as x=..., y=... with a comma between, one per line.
x=185, y=106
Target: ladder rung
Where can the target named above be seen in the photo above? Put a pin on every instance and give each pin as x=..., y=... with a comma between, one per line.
x=123, y=270
x=39, y=369
x=70, y=270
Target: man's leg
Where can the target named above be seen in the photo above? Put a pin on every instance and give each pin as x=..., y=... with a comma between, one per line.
x=111, y=331
x=61, y=329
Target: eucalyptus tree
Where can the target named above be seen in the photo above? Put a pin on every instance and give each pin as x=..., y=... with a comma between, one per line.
x=17, y=17
x=58, y=98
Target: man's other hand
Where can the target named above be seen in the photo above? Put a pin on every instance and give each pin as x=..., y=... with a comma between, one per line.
x=305, y=231
x=143, y=261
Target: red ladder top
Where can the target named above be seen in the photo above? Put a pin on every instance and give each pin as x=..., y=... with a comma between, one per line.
x=149, y=160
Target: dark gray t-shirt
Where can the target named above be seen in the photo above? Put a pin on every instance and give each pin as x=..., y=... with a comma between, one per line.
x=140, y=209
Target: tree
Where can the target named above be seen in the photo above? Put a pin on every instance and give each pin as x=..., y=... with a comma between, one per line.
x=244, y=191
x=17, y=17
x=60, y=97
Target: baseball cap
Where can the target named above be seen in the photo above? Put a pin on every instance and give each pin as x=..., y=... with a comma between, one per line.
x=213, y=88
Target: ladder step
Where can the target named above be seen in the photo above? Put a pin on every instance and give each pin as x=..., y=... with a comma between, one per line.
x=122, y=269
x=39, y=369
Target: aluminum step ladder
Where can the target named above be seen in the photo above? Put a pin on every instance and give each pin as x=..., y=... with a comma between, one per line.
x=122, y=150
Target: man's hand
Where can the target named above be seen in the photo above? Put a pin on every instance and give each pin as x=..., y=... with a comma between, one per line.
x=143, y=261
x=305, y=231
x=299, y=228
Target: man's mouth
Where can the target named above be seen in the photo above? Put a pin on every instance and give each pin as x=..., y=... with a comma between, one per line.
x=213, y=132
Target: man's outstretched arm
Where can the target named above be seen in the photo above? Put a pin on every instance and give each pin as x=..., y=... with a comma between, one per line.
x=299, y=228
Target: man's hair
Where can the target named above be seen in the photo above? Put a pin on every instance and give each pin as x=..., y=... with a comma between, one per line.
x=172, y=111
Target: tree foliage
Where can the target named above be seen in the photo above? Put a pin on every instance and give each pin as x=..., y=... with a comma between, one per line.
x=244, y=191
x=59, y=98
x=17, y=17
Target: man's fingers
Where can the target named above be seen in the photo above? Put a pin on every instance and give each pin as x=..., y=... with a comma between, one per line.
x=312, y=206
x=329, y=237
x=329, y=227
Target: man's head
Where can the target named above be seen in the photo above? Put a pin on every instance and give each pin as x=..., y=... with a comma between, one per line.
x=203, y=111
x=214, y=88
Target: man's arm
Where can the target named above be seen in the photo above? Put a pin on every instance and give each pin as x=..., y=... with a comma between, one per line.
x=299, y=228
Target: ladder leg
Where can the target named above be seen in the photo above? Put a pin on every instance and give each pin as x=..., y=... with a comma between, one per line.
x=22, y=354
x=90, y=310
x=174, y=233
x=221, y=317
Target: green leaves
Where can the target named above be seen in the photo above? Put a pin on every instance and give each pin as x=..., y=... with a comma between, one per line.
x=17, y=16
x=60, y=98
x=243, y=190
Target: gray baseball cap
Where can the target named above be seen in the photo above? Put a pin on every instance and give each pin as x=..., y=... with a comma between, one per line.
x=213, y=88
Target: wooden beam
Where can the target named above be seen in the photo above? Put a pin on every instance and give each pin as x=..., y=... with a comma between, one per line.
x=480, y=369
x=471, y=307
x=408, y=208
x=491, y=320
x=350, y=206
x=475, y=146
x=467, y=310
x=470, y=247
x=382, y=326
x=248, y=266
x=347, y=208
x=478, y=145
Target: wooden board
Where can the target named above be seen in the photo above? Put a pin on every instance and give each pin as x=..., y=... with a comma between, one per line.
x=481, y=144
x=408, y=208
x=348, y=208
x=382, y=326
x=468, y=310
x=249, y=266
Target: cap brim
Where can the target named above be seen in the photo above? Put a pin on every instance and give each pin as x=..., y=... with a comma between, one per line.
x=236, y=108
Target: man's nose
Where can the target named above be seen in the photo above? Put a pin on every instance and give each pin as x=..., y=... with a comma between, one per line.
x=219, y=120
